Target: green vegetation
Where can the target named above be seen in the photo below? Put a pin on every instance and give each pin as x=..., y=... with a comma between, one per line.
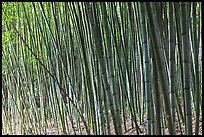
x=101, y=68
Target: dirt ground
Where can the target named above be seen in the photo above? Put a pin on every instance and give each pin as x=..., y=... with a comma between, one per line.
x=51, y=130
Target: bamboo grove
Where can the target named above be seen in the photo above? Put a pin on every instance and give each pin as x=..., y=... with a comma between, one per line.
x=85, y=65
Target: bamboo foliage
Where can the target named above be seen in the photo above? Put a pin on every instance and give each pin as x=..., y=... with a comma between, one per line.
x=101, y=67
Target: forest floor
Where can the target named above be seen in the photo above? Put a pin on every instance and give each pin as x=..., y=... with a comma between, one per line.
x=130, y=131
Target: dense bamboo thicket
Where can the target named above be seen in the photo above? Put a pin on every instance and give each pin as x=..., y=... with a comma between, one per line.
x=101, y=68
